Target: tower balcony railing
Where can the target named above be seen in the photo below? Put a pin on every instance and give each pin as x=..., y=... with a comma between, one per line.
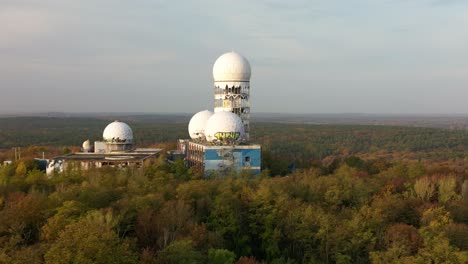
x=233, y=90
x=232, y=103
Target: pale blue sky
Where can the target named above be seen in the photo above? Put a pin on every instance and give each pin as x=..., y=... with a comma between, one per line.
x=307, y=56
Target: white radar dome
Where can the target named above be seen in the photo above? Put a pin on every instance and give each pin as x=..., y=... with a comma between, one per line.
x=231, y=66
x=224, y=127
x=118, y=132
x=87, y=145
x=197, y=124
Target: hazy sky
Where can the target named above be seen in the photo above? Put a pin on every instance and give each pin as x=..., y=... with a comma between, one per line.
x=307, y=56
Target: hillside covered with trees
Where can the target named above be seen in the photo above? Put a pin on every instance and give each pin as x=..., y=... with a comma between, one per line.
x=327, y=194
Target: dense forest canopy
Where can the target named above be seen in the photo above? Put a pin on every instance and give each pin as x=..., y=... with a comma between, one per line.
x=349, y=194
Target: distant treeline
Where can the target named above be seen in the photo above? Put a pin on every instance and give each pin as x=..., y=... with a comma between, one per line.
x=302, y=144
x=26, y=131
x=285, y=146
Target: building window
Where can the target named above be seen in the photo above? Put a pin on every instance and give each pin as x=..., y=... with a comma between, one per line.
x=247, y=161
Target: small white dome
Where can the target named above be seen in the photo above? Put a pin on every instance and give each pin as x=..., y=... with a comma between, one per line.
x=118, y=132
x=197, y=124
x=231, y=66
x=224, y=126
x=87, y=145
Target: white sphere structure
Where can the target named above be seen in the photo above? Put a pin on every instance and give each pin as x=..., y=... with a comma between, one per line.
x=197, y=124
x=231, y=66
x=118, y=132
x=118, y=137
x=231, y=73
x=87, y=146
x=224, y=127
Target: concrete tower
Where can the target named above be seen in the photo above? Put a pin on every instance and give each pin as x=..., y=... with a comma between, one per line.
x=231, y=73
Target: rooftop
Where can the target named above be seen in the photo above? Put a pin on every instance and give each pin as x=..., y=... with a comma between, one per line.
x=134, y=155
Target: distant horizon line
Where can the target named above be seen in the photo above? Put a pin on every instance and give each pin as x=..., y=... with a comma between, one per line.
x=65, y=113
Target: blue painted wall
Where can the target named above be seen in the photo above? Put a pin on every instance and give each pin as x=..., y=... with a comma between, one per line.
x=214, y=162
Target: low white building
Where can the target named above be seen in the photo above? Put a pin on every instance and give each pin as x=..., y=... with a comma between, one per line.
x=115, y=150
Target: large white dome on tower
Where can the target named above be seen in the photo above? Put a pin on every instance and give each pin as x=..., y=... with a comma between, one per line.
x=231, y=66
x=118, y=132
x=197, y=124
x=224, y=126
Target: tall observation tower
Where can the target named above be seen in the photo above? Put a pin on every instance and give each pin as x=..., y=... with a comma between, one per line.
x=219, y=141
x=231, y=73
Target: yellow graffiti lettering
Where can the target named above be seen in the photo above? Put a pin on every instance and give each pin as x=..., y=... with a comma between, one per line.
x=227, y=135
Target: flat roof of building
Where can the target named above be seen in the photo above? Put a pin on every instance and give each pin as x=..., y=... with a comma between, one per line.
x=124, y=156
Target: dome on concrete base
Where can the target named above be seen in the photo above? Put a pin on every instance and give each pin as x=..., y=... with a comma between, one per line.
x=118, y=132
